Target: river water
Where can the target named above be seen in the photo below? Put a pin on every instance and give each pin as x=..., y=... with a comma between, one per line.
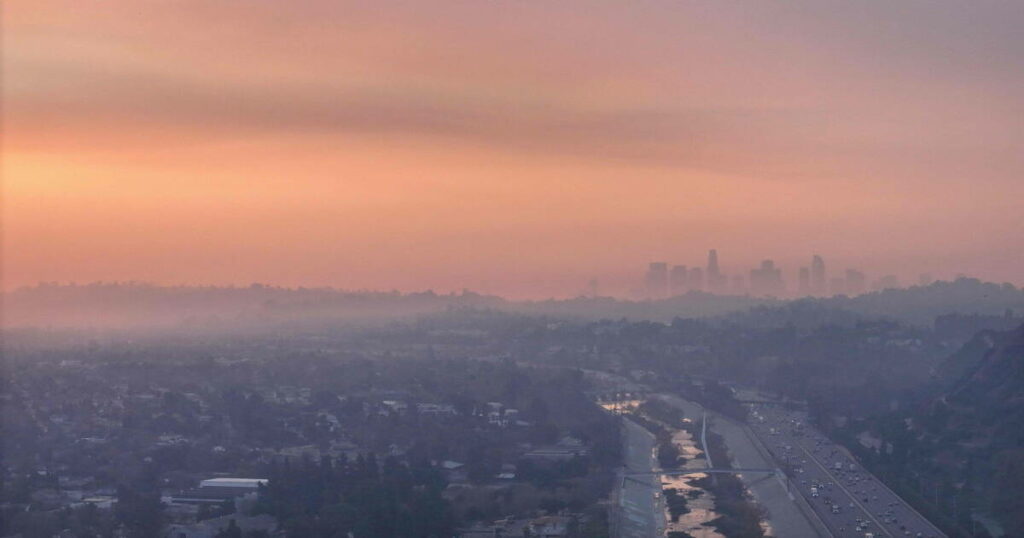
x=700, y=502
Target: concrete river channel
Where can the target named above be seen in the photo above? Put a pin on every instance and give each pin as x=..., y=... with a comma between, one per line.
x=640, y=500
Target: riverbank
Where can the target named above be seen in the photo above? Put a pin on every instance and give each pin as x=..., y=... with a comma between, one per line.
x=783, y=516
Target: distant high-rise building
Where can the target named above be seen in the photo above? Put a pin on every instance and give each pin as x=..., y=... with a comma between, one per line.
x=656, y=280
x=855, y=282
x=886, y=282
x=804, y=282
x=925, y=279
x=739, y=286
x=695, y=280
x=592, y=287
x=717, y=282
x=712, y=263
x=677, y=279
x=818, y=275
x=767, y=280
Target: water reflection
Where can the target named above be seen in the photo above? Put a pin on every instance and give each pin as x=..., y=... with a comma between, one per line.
x=699, y=502
x=620, y=406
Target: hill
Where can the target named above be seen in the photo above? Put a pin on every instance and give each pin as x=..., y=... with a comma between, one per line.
x=134, y=304
x=966, y=443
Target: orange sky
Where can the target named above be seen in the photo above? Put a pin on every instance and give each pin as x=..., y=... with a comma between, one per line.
x=511, y=147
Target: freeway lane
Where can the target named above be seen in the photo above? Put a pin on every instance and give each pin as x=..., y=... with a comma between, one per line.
x=852, y=496
x=785, y=518
x=848, y=498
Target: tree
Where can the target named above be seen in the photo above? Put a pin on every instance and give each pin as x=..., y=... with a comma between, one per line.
x=140, y=511
x=232, y=531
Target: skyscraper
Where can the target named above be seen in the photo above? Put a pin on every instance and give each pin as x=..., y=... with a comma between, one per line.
x=677, y=279
x=855, y=282
x=767, y=280
x=717, y=282
x=818, y=286
x=656, y=280
x=804, y=282
x=886, y=282
x=695, y=280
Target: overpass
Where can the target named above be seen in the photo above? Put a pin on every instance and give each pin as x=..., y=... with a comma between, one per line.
x=712, y=470
x=619, y=395
x=637, y=477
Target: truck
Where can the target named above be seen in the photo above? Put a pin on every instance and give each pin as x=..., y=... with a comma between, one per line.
x=838, y=466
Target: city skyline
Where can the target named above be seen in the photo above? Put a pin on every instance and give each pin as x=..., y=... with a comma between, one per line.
x=408, y=269
x=667, y=279
x=675, y=279
x=512, y=148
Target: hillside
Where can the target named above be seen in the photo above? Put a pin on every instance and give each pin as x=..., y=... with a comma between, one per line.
x=967, y=442
x=134, y=304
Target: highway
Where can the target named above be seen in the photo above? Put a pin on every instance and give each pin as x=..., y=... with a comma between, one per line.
x=850, y=501
x=786, y=518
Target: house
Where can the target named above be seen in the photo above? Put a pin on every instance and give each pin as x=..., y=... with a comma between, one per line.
x=555, y=453
x=454, y=471
x=103, y=502
x=435, y=409
x=396, y=407
x=219, y=491
x=247, y=485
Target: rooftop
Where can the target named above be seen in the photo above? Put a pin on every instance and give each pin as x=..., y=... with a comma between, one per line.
x=247, y=483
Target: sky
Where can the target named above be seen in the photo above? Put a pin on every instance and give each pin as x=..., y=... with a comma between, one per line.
x=512, y=147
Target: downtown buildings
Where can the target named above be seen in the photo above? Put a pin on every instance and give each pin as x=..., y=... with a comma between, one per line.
x=663, y=280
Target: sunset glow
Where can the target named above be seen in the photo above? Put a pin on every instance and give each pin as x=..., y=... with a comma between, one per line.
x=515, y=148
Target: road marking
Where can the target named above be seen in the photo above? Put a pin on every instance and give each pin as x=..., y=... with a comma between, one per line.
x=902, y=501
x=839, y=482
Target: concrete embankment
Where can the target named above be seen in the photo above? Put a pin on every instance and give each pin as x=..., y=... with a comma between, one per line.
x=786, y=518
